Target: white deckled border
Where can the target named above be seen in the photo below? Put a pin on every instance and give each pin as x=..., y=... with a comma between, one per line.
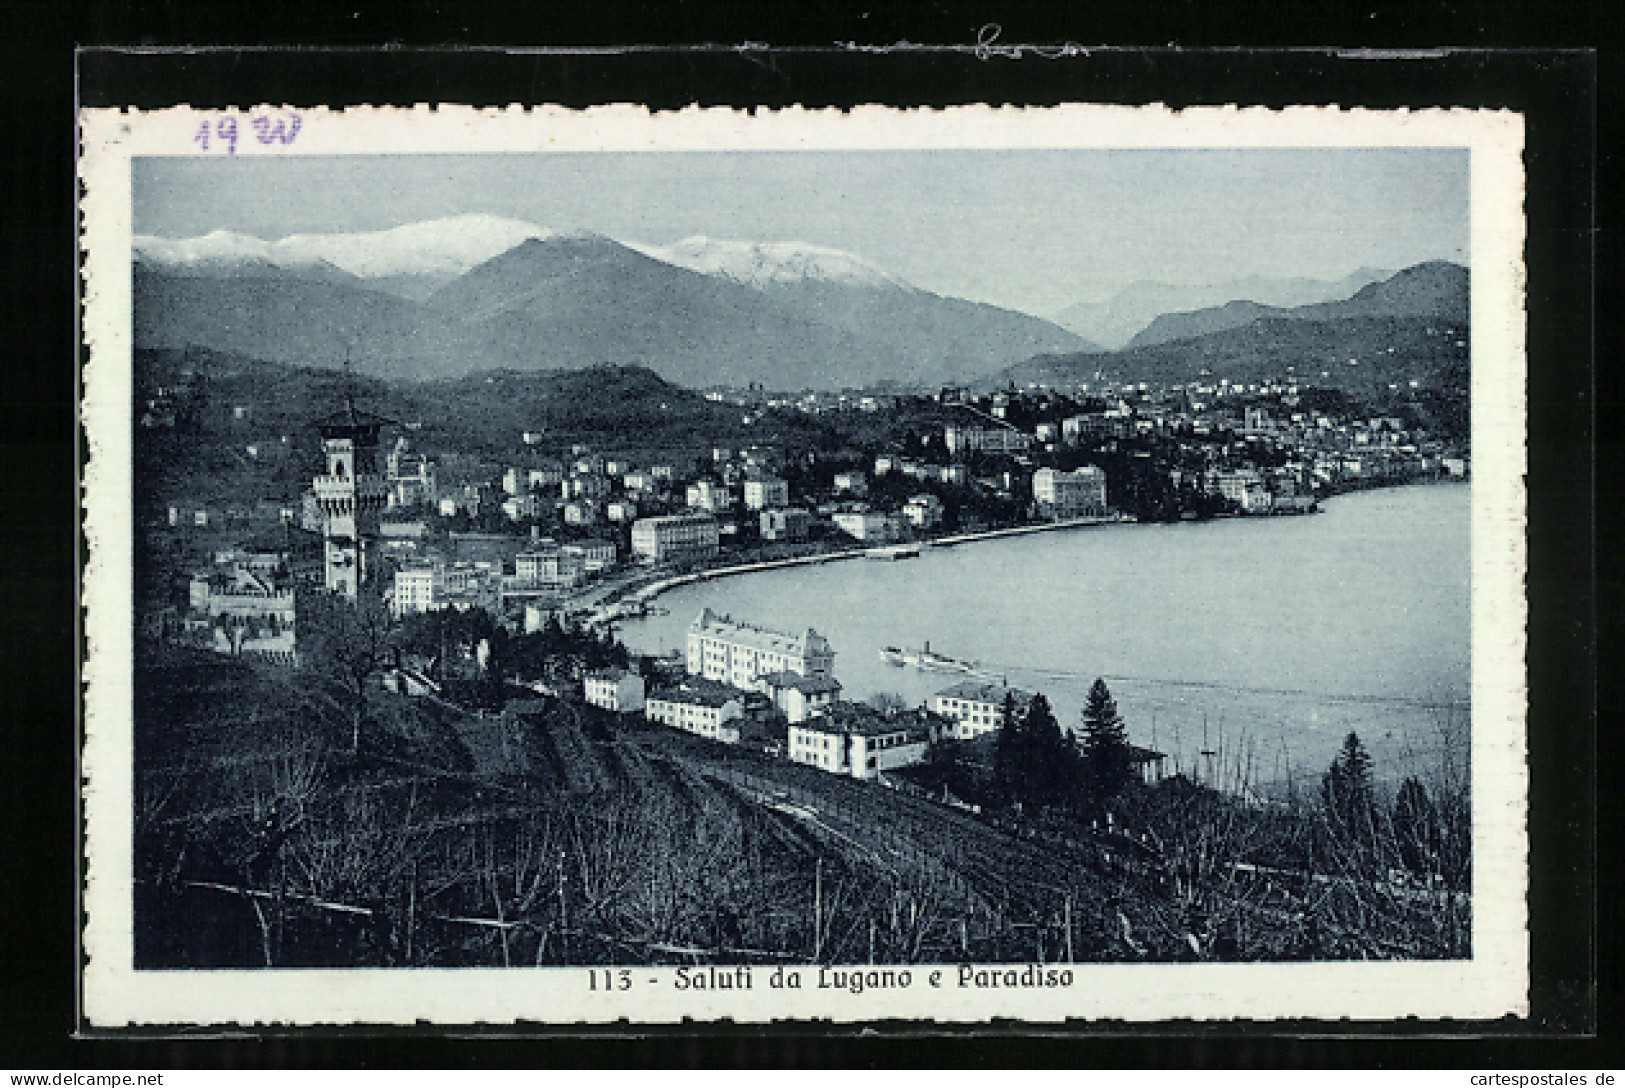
x=1493, y=983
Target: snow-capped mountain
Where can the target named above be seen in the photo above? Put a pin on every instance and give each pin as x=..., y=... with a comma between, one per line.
x=439, y=249
x=764, y=264
x=455, y=295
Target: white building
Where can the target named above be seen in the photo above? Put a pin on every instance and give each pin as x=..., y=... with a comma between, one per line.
x=643, y=481
x=1245, y=487
x=986, y=440
x=614, y=689
x=698, y=706
x=858, y=740
x=766, y=491
x=977, y=708
x=522, y=507
x=729, y=652
x=582, y=512
x=549, y=567
x=923, y=511
x=708, y=495
x=856, y=483
x=1073, y=494
x=787, y=523
x=675, y=537
x=800, y=697
x=870, y=526
x=416, y=588
x=240, y=610
x=596, y=555
x=584, y=487
x=1076, y=429
x=430, y=585
x=517, y=481
x=411, y=477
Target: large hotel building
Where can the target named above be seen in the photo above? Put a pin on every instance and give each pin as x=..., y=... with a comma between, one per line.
x=741, y=654
x=675, y=537
x=1070, y=494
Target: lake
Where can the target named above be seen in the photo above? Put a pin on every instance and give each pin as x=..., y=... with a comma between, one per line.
x=1259, y=641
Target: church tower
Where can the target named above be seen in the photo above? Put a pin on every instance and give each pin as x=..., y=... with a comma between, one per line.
x=350, y=494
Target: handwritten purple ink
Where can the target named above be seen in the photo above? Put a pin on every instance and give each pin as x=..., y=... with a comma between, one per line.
x=280, y=129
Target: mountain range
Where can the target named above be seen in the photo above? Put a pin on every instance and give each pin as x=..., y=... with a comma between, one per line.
x=470, y=294
x=1436, y=289
x=474, y=293
x=1117, y=322
x=1409, y=328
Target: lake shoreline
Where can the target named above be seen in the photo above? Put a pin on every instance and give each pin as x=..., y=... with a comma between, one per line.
x=628, y=603
x=633, y=601
x=1289, y=631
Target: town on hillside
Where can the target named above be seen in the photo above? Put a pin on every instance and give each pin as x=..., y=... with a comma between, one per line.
x=594, y=531
x=382, y=716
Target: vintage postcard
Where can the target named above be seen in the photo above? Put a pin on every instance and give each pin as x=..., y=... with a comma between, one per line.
x=573, y=567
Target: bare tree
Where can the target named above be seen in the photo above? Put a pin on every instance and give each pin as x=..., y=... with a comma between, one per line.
x=347, y=643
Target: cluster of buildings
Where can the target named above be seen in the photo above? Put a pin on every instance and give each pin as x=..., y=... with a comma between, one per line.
x=371, y=516
x=736, y=674
x=246, y=603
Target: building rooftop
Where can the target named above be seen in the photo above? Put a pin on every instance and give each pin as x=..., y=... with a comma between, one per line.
x=240, y=580
x=710, y=624
x=697, y=691
x=864, y=720
x=982, y=692
x=285, y=538
x=669, y=519
x=353, y=422
x=807, y=685
x=1138, y=755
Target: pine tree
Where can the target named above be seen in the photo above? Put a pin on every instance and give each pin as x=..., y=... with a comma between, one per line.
x=1106, y=764
x=1345, y=791
x=1010, y=755
x=1051, y=760
x=1034, y=763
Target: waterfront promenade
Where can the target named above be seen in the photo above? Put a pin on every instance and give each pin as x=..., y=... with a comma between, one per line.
x=632, y=598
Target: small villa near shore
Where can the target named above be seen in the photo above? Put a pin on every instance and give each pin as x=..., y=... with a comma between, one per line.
x=978, y=708
x=861, y=741
x=699, y=706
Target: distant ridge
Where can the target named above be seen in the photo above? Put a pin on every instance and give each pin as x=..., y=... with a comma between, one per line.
x=1116, y=322
x=1436, y=288
x=1405, y=336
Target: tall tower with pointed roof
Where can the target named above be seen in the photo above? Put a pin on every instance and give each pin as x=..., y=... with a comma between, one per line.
x=351, y=494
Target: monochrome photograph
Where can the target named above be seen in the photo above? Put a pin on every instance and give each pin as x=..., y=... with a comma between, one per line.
x=750, y=568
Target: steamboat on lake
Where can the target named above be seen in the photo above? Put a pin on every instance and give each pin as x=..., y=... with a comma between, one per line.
x=925, y=659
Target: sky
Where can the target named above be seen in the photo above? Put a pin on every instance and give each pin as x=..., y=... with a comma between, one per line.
x=1032, y=230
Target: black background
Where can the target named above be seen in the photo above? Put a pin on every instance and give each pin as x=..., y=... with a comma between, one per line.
x=794, y=58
